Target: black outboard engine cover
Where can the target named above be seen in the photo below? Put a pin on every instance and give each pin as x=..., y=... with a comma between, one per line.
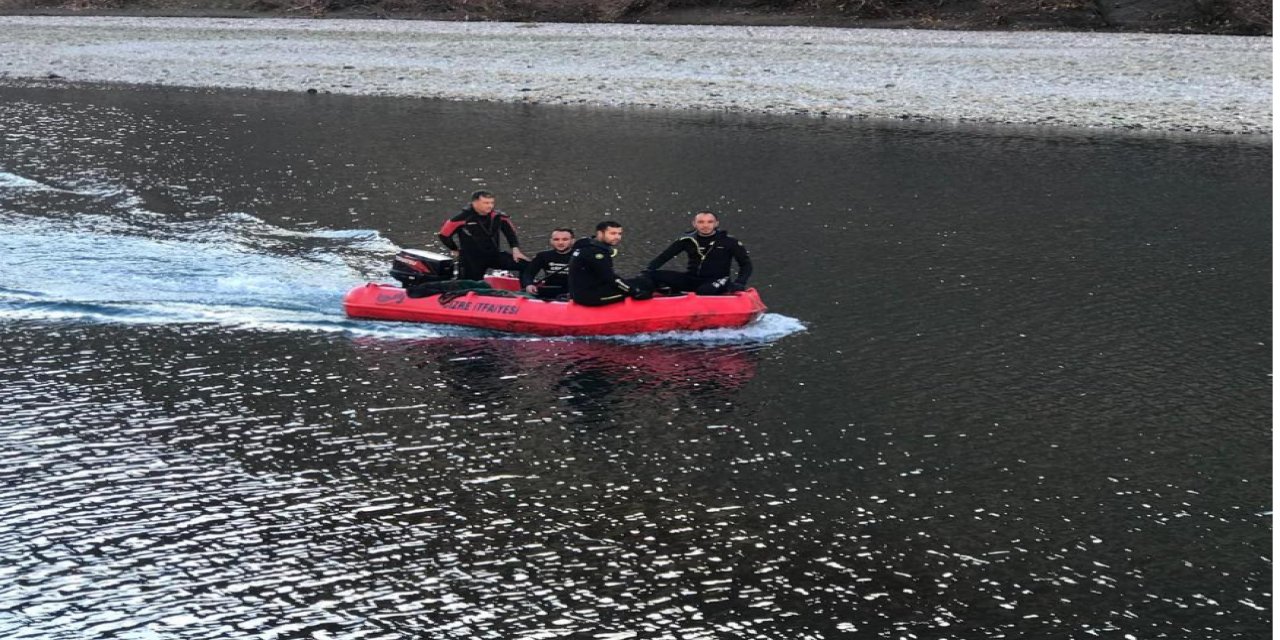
x=414, y=267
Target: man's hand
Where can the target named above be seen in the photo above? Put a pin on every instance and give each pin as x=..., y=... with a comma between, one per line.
x=518, y=254
x=532, y=289
x=455, y=253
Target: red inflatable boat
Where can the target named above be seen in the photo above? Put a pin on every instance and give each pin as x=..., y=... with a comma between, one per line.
x=687, y=312
x=540, y=317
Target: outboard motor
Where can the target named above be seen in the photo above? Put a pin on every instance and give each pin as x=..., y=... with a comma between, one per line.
x=414, y=267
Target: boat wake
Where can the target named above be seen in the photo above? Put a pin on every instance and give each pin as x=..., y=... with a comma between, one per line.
x=96, y=254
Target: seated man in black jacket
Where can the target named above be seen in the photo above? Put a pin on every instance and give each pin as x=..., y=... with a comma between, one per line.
x=555, y=261
x=710, y=252
x=592, y=281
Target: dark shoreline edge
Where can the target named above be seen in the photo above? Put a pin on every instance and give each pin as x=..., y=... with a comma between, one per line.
x=1208, y=17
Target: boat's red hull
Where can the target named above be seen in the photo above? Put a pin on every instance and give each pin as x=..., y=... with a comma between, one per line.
x=538, y=317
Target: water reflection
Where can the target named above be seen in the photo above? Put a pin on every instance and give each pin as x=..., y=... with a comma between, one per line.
x=585, y=374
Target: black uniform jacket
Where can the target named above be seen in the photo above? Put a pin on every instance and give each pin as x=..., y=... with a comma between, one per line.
x=710, y=257
x=591, y=275
x=478, y=234
x=556, y=265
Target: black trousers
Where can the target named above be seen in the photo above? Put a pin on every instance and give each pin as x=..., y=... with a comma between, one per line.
x=641, y=289
x=471, y=266
x=551, y=291
x=681, y=282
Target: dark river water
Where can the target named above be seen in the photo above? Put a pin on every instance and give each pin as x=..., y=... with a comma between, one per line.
x=1013, y=382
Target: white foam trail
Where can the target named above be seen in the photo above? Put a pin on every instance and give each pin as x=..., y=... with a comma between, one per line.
x=19, y=183
x=99, y=267
x=770, y=327
x=12, y=181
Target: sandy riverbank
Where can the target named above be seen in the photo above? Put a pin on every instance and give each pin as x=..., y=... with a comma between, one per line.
x=1142, y=81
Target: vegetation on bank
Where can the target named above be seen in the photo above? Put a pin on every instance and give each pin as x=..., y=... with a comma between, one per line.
x=1241, y=17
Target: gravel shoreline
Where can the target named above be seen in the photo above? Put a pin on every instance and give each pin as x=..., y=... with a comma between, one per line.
x=1209, y=84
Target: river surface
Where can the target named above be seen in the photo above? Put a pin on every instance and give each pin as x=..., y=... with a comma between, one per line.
x=1013, y=382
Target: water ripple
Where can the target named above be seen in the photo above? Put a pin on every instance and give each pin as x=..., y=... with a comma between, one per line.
x=1030, y=396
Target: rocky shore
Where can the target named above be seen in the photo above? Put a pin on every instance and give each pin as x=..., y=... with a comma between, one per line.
x=1212, y=84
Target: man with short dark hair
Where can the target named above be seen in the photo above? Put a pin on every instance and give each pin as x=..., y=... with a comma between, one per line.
x=555, y=262
x=711, y=253
x=592, y=280
x=478, y=248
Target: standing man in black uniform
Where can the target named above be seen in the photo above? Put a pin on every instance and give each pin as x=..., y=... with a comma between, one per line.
x=555, y=261
x=477, y=228
x=592, y=280
x=710, y=252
